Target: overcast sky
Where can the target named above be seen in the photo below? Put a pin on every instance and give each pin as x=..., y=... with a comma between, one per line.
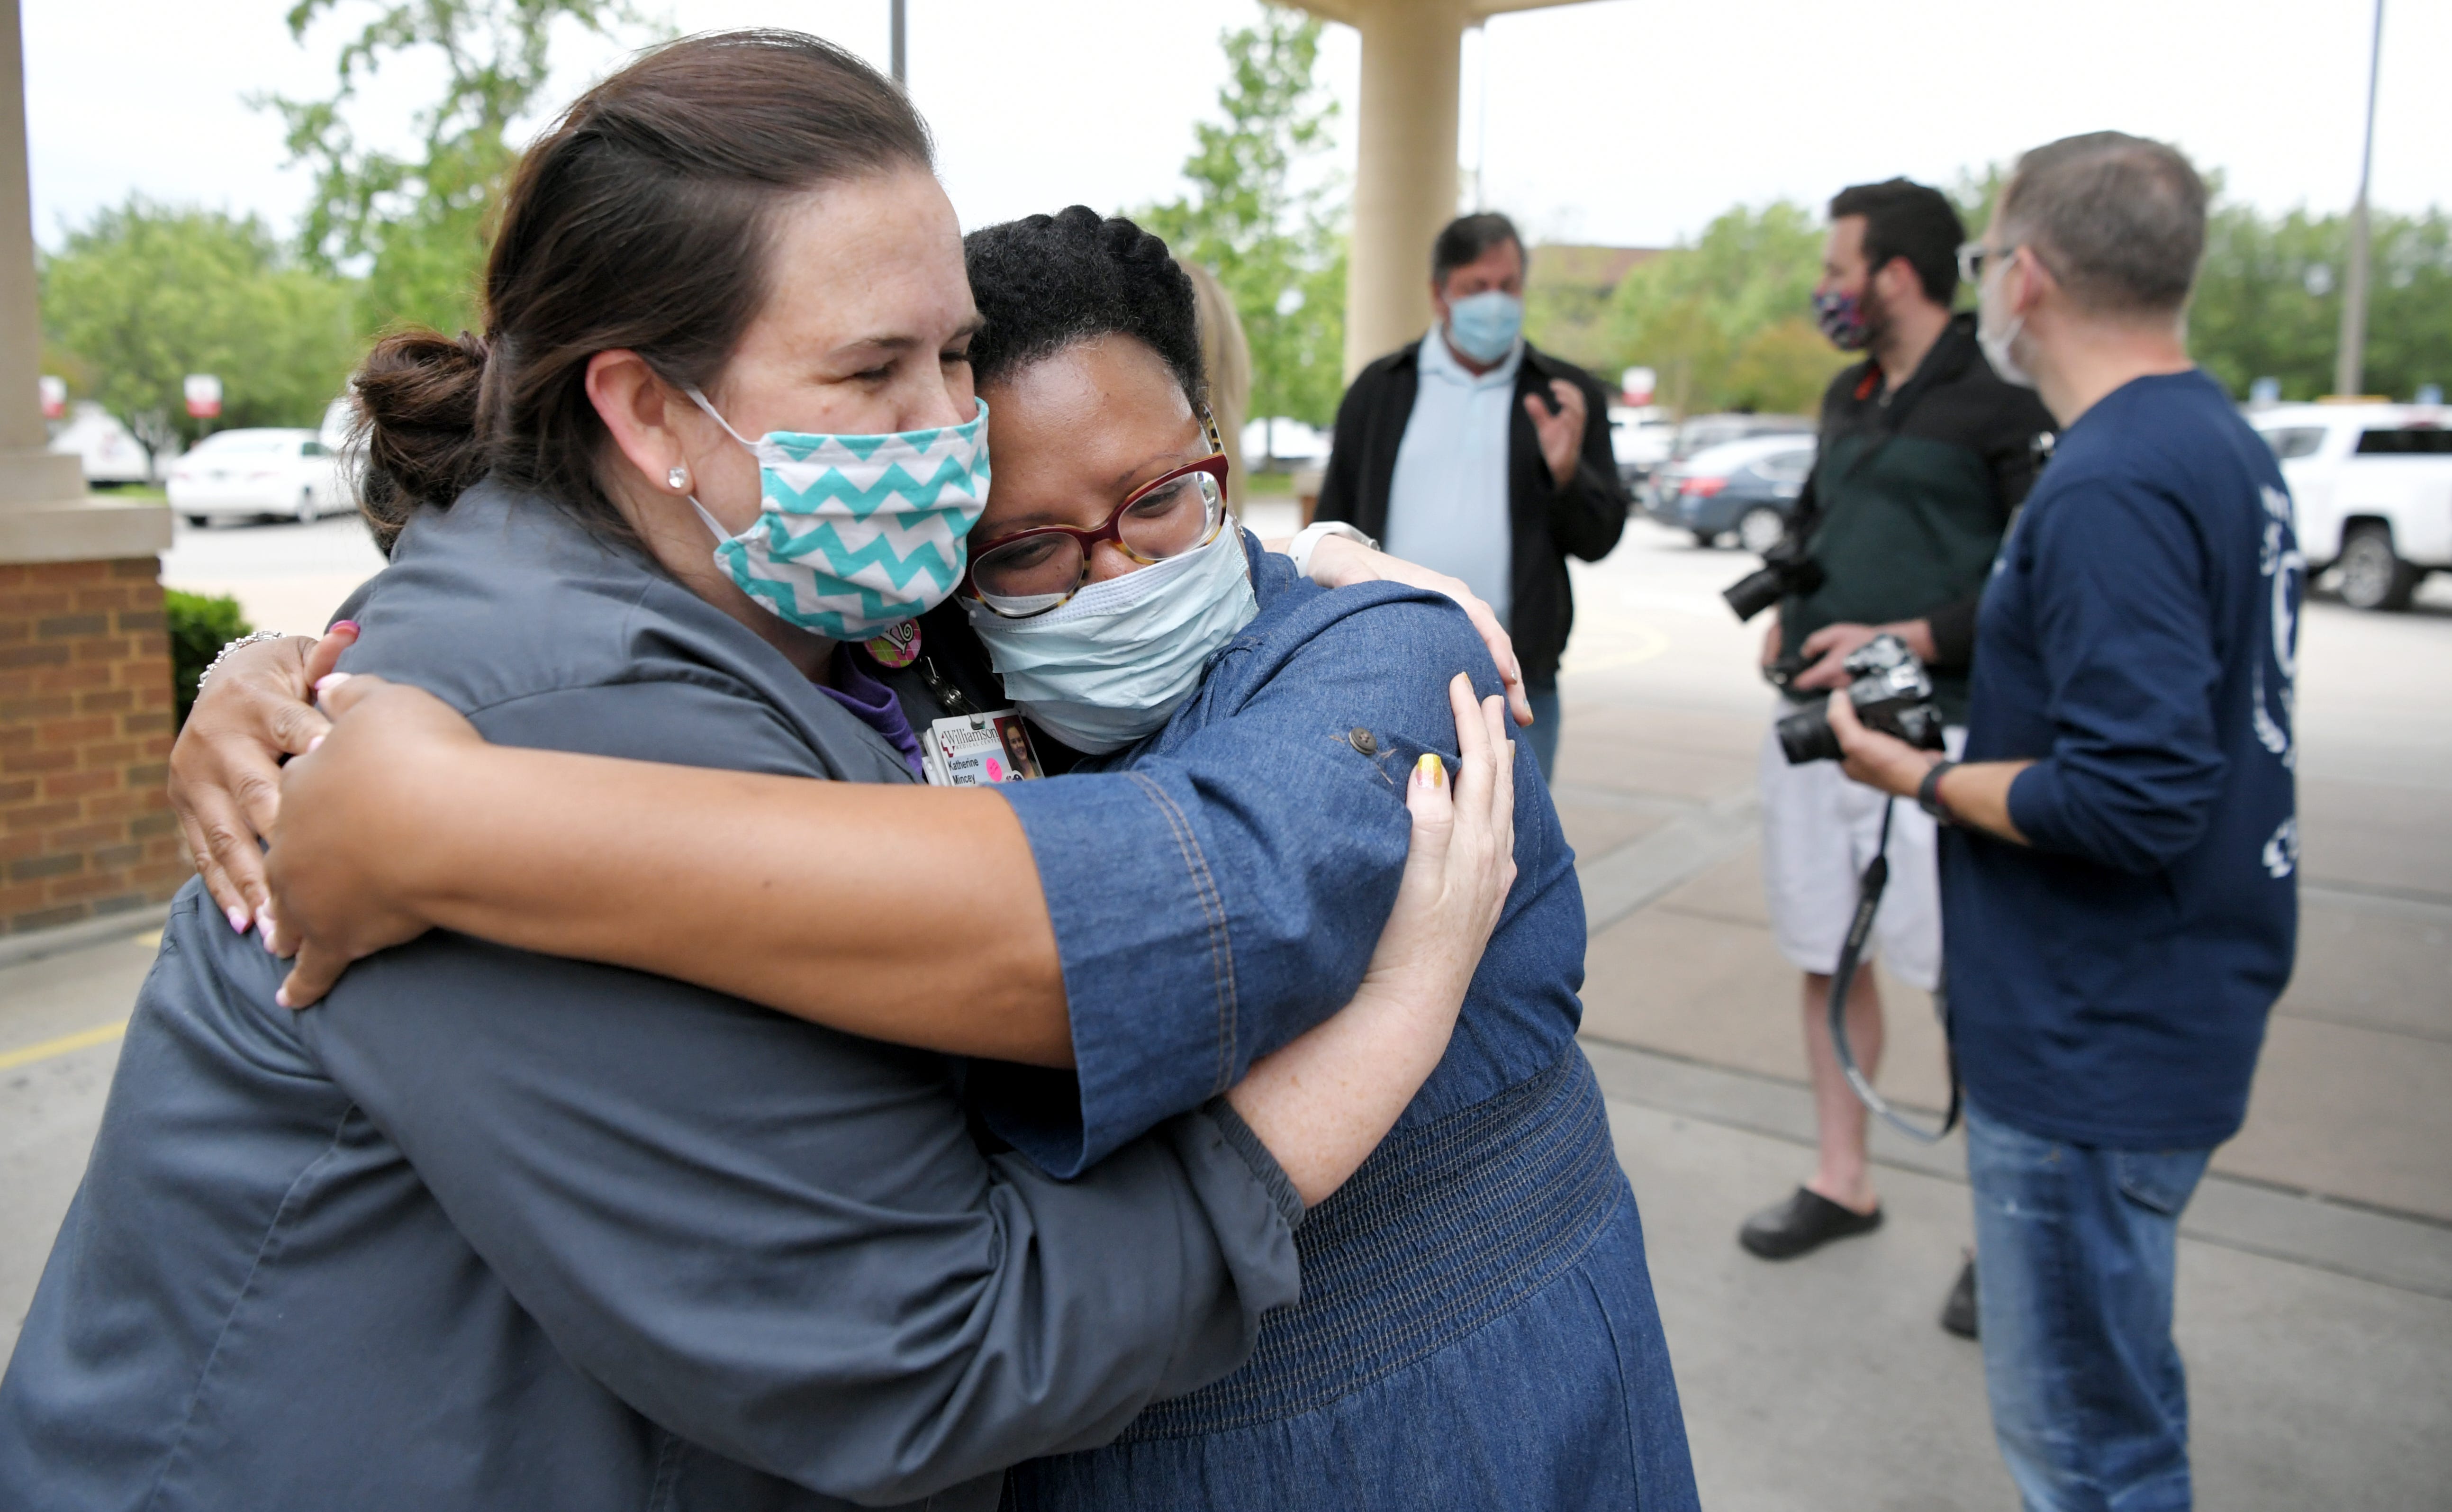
x=1624, y=121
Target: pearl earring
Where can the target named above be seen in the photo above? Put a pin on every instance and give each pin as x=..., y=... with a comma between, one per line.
x=678, y=478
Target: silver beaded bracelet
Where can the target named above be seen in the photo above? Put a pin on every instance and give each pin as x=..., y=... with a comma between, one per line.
x=222, y=655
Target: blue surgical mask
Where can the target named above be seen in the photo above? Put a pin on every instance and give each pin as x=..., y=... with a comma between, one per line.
x=855, y=534
x=1108, y=665
x=1484, y=326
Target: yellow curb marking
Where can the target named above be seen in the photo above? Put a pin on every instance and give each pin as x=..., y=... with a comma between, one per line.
x=84, y=1039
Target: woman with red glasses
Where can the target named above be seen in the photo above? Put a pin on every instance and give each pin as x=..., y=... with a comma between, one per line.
x=1476, y=1325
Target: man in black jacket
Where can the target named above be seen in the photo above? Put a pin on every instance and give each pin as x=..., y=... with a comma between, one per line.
x=1925, y=452
x=1472, y=454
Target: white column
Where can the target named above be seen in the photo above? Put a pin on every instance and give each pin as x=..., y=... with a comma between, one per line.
x=45, y=515
x=1405, y=173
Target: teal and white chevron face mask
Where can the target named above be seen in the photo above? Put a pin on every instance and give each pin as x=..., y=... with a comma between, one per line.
x=855, y=533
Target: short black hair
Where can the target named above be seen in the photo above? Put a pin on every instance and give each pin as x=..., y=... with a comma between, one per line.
x=1045, y=283
x=1464, y=239
x=1910, y=220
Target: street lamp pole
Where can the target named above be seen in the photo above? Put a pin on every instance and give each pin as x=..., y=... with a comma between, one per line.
x=2351, y=360
x=902, y=74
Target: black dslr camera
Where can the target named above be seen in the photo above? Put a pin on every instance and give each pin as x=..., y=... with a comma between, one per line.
x=1785, y=569
x=1891, y=693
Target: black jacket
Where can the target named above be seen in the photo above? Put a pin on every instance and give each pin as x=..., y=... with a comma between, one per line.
x=1911, y=492
x=1583, y=518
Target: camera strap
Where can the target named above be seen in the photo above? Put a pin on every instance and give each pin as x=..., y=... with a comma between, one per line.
x=1843, y=976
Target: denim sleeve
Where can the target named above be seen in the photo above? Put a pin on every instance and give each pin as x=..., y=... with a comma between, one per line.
x=785, y=1244
x=2126, y=640
x=1226, y=892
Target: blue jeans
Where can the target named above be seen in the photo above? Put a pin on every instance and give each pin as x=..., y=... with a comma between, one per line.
x=1544, y=734
x=2075, y=1251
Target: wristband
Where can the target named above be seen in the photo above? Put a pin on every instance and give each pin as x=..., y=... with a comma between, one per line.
x=1928, y=793
x=1311, y=535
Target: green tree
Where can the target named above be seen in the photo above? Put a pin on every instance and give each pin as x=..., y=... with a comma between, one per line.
x=1279, y=247
x=145, y=294
x=1725, y=321
x=418, y=225
x=2269, y=301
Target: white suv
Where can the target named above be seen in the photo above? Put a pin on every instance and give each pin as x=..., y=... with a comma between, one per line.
x=2373, y=484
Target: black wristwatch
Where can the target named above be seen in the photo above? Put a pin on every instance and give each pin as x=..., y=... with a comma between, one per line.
x=1928, y=793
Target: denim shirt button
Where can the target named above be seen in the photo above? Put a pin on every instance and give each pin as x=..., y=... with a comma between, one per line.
x=1363, y=741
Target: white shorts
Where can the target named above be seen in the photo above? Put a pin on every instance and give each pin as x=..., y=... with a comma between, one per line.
x=1818, y=834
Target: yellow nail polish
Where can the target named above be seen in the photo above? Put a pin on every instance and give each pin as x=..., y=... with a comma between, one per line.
x=1431, y=770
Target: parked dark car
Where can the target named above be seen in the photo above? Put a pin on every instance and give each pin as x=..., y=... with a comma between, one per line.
x=1745, y=487
x=1698, y=433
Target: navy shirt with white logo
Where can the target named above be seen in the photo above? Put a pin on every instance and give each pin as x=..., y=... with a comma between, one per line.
x=2109, y=985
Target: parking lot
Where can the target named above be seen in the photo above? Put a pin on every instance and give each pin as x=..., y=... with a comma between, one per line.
x=2316, y=1292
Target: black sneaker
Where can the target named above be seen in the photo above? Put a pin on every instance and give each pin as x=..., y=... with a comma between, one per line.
x=1805, y=1222
x=1958, y=1313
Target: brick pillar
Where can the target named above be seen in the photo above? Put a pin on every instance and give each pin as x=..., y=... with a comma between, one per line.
x=85, y=826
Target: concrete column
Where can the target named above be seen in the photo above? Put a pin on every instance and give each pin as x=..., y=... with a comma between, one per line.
x=21, y=343
x=1404, y=169
x=45, y=515
x=84, y=663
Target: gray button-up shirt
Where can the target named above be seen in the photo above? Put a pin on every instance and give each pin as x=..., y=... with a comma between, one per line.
x=489, y=1229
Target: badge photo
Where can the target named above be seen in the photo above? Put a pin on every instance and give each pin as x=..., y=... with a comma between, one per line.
x=979, y=751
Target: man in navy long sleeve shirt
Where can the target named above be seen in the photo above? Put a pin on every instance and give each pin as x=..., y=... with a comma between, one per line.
x=2119, y=885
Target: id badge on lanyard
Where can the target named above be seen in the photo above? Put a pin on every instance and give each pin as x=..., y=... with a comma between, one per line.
x=979, y=750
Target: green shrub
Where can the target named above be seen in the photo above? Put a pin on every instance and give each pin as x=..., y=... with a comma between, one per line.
x=200, y=626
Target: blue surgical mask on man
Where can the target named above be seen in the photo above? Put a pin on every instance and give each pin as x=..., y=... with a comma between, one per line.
x=1484, y=326
x=1109, y=664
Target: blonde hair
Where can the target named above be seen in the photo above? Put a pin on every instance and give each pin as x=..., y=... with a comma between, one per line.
x=1226, y=356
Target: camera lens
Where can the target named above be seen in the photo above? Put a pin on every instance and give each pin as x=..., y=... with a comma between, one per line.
x=1756, y=591
x=1805, y=736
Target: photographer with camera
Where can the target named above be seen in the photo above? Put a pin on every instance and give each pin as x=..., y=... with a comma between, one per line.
x=2117, y=866
x=1924, y=453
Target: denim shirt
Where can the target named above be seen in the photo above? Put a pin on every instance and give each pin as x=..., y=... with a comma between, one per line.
x=1224, y=883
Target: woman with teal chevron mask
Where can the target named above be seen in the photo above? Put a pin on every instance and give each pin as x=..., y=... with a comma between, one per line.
x=1476, y=1325
x=503, y=1229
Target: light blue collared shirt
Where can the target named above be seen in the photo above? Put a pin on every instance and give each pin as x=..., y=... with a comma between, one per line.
x=1446, y=504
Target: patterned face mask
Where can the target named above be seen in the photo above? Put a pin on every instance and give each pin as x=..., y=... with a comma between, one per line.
x=855, y=534
x=1842, y=319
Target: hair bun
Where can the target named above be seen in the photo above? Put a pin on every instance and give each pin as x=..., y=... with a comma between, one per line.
x=417, y=395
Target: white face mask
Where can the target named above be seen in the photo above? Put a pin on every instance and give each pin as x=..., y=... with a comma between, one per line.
x=1997, y=340
x=1109, y=664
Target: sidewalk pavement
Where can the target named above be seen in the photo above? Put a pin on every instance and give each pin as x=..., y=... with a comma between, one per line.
x=2315, y=1262
x=2315, y=1301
